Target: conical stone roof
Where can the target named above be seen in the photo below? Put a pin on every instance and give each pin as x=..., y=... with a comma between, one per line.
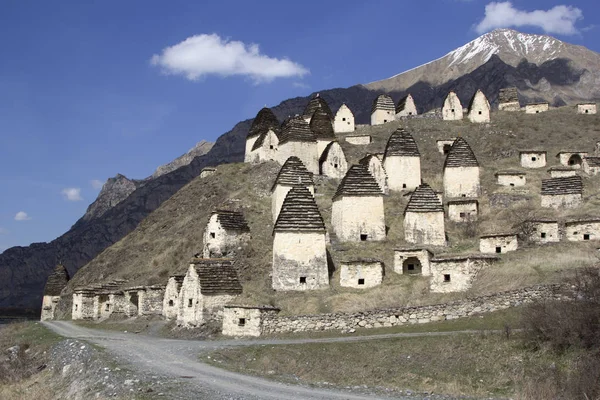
x=402, y=103
x=358, y=182
x=57, y=281
x=264, y=120
x=424, y=200
x=317, y=103
x=460, y=155
x=292, y=173
x=383, y=102
x=320, y=125
x=401, y=143
x=299, y=213
x=296, y=129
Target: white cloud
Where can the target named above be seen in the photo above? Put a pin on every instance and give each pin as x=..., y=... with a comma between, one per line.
x=72, y=194
x=22, y=216
x=202, y=55
x=559, y=19
x=96, y=184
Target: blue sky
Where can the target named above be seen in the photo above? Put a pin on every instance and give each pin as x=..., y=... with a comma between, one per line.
x=87, y=89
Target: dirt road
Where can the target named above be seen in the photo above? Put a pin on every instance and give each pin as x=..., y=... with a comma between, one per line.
x=179, y=358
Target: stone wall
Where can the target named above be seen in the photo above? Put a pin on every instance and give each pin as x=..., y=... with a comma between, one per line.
x=417, y=258
x=362, y=274
x=403, y=172
x=355, y=216
x=344, y=120
x=533, y=159
x=409, y=110
x=299, y=261
x=558, y=201
x=586, y=109
x=171, y=298
x=444, y=145
x=248, y=156
x=498, y=244
x=455, y=274
x=571, y=159
x=511, y=179
x=426, y=228
x=463, y=211
x=273, y=323
x=578, y=231
x=536, y=108
x=461, y=182
x=542, y=232
x=268, y=151
x=359, y=139
x=589, y=168
x=563, y=173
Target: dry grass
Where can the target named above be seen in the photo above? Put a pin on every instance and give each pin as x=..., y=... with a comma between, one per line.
x=164, y=242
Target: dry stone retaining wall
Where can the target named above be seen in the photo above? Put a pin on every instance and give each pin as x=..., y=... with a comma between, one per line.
x=409, y=315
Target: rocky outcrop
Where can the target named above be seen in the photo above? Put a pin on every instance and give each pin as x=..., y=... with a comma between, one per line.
x=113, y=192
x=200, y=149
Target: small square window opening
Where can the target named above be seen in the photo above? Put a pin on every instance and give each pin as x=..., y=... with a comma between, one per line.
x=361, y=281
x=302, y=279
x=446, y=277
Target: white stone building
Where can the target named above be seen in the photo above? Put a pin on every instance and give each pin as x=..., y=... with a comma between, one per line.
x=321, y=125
x=532, y=158
x=383, y=110
x=498, y=243
x=424, y=218
x=444, y=145
x=463, y=210
x=412, y=261
x=452, y=109
x=361, y=274
x=479, y=108
x=292, y=173
x=344, y=120
x=317, y=103
x=586, y=108
x=562, y=172
x=511, y=178
x=264, y=122
x=357, y=212
x=402, y=161
x=562, y=192
x=573, y=159
x=266, y=147
x=332, y=163
x=55, y=283
x=536, y=108
x=406, y=107
x=299, y=252
x=591, y=165
x=297, y=139
x=583, y=229
x=508, y=99
x=455, y=273
x=540, y=230
x=208, y=285
x=461, y=171
x=358, y=139
x=85, y=304
x=171, y=298
x=240, y=320
x=207, y=171
x=375, y=167
x=226, y=232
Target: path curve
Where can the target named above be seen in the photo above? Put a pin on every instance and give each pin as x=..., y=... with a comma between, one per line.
x=179, y=358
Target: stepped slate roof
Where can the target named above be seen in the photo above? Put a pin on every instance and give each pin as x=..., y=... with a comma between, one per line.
x=358, y=182
x=593, y=161
x=494, y=235
x=401, y=143
x=424, y=200
x=383, y=102
x=510, y=172
x=560, y=168
x=402, y=103
x=508, y=95
x=293, y=172
x=57, y=281
x=317, y=103
x=264, y=120
x=299, y=213
x=320, y=124
x=261, y=138
x=533, y=151
x=217, y=276
x=296, y=129
x=581, y=220
x=566, y=185
x=232, y=220
x=462, y=200
x=460, y=155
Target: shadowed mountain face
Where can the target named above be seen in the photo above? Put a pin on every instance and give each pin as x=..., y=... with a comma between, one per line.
x=24, y=270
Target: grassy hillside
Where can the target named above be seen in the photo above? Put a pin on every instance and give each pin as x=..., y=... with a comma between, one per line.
x=164, y=242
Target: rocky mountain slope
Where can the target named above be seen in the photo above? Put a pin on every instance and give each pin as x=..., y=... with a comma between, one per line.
x=565, y=80
x=512, y=48
x=199, y=149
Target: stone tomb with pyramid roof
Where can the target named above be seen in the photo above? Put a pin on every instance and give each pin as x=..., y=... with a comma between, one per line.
x=461, y=171
x=402, y=161
x=299, y=247
x=424, y=218
x=357, y=211
x=264, y=126
x=292, y=173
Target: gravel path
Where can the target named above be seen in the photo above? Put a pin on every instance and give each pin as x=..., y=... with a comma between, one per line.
x=179, y=358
